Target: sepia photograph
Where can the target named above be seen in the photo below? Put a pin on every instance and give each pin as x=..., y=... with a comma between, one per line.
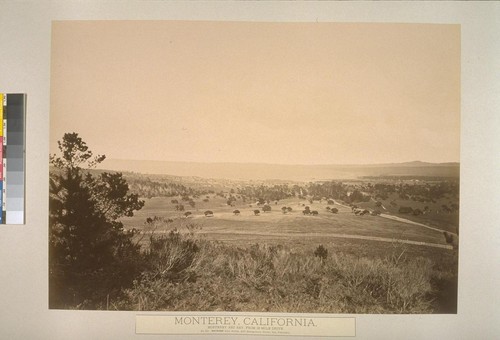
x=274, y=167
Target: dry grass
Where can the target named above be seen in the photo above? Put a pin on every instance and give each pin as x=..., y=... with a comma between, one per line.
x=212, y=276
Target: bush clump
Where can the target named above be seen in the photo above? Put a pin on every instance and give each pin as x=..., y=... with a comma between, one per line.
x=185, y=273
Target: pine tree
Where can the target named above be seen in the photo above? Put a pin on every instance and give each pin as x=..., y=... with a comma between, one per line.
x=91, y=257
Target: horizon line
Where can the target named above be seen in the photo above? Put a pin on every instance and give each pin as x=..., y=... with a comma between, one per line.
x=284, y=164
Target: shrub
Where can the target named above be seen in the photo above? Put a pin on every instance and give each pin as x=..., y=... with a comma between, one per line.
x=170, y=257
x=405, y=210
x=321, y=252
x=191, y=274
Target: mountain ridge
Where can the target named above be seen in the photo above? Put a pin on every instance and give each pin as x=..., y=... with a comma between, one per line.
x=296, y=172
x=407, y=163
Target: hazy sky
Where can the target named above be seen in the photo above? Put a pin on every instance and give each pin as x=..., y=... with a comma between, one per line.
x=299, y=93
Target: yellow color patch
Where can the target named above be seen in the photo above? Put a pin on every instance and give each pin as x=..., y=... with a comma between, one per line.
x=1, y=114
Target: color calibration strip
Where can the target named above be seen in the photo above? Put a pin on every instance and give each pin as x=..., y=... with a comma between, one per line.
x=12, y=137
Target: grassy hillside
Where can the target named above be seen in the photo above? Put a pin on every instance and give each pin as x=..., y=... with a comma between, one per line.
x=250, y=245
x=290, y=262
x=189, y=273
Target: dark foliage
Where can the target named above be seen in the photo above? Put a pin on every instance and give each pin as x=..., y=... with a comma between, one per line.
x=321, y=252
x=91, y=257
x=265, y=193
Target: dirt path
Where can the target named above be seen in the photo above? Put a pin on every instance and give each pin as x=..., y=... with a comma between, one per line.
x=374, y=200
x=404, y=220
x=347, y=236
x=302, y=235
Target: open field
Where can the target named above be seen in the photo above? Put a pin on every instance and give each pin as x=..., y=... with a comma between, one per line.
x=269, y=262
x=292, y=228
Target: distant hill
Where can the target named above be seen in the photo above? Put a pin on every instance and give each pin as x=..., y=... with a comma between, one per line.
x=260, y=171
